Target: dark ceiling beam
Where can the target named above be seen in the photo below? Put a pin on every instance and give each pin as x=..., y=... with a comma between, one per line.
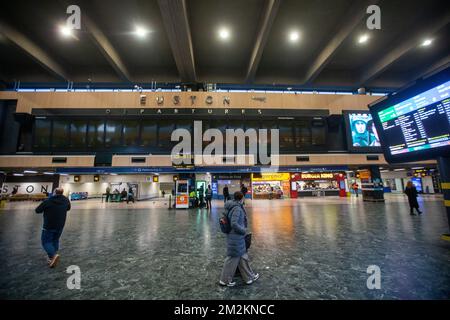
x=401, y=49
x=106, y=48
x=34, y=51
x=176, y=23
x=357, y=14
x=435, y=67
x=269, y=14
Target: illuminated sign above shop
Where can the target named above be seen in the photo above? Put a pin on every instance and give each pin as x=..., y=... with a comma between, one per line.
x=314, y=176
x=270, y=177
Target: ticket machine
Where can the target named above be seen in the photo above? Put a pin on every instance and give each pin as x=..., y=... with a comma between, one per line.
x=182, y=194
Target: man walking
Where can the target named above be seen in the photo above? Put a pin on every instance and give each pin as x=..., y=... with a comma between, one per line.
x=226, y=194
x=244, y=191
x=108, y=193
x=208, y=196
x=55, y=212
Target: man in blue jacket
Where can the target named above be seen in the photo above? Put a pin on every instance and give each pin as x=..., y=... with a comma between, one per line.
x=55, y=212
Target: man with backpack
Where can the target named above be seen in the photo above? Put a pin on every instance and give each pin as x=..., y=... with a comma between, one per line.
x=234, y=224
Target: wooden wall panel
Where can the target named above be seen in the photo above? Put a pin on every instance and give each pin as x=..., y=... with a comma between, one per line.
x=335, y=103
x=44, y=161
x=165, y=161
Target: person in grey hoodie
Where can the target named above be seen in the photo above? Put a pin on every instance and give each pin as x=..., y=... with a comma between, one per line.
x=237, y=256
x=55, y=212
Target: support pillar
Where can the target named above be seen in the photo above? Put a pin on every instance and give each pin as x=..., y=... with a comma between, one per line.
x=444, y=171
x=373, y=185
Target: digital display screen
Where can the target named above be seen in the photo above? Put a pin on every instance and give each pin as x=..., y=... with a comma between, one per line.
x=361, y=132
x=417, y=182
x=414, y=123
x=364, y=133
x=419, y=123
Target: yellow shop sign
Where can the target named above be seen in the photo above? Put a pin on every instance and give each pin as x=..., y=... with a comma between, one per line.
x=270, y=176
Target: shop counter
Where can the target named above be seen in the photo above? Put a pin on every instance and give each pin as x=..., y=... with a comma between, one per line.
x=317, y=193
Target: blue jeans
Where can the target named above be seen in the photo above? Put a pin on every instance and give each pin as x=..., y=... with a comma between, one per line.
x=50, y=241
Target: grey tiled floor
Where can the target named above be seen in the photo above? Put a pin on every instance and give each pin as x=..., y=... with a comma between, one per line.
x=310, y=249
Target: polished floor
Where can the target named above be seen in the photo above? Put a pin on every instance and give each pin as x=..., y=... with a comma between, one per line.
x=303, y=249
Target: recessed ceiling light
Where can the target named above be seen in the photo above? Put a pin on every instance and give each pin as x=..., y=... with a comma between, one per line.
x=140, y=32
x=65, y=31
x=294, y=36
x=224, y=33
x=30, y=171
x=363, y=38
x=426, y=42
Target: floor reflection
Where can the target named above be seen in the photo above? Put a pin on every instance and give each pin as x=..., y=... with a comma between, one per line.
x=304, y=248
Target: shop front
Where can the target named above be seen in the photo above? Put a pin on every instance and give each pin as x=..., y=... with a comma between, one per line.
x=270, y=185
x=309, y=184
x=232, y=181
x=82, y=187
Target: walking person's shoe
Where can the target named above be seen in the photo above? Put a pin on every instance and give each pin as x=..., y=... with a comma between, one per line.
x=255, y=277
x=229, y=284
x=54, y=261
x=419, y=212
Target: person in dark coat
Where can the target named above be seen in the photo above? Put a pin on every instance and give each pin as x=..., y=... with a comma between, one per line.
x=108, y=193
x=201, y=197
x=130, y=195
x=226, y=194
x=237, y=256
x=208, y=197
x=55, y=212
x=244, y=191
x=123, y=195
x=411, y=192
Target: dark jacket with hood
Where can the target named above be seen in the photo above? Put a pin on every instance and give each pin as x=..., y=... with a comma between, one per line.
x=238, y=221
x=55, y=211
x=412, y=196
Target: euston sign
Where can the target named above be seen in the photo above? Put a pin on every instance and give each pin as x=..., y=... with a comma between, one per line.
x=27, y=188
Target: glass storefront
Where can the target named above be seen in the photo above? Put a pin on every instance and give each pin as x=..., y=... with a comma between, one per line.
x=270, y=185
x=307, y=184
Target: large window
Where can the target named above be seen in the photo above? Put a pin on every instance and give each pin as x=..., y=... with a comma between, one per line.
x=318, y=133
x=266, y=143
x=42, y=130
x=131, y=132
x=130, y=135
x=60, y=134
x=148, y=133
x=165, y=130
x=96, y=131
x=78, y=134
x=113, y=133
x=302, y=134
x=286, y=135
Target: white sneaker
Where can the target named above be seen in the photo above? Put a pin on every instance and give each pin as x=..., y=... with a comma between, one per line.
x=229, y=284
x=256, y=277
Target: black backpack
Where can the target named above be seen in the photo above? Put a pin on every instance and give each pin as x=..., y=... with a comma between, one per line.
x=224, y=223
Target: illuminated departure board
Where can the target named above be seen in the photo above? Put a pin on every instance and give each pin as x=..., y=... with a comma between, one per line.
x=418, y=123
